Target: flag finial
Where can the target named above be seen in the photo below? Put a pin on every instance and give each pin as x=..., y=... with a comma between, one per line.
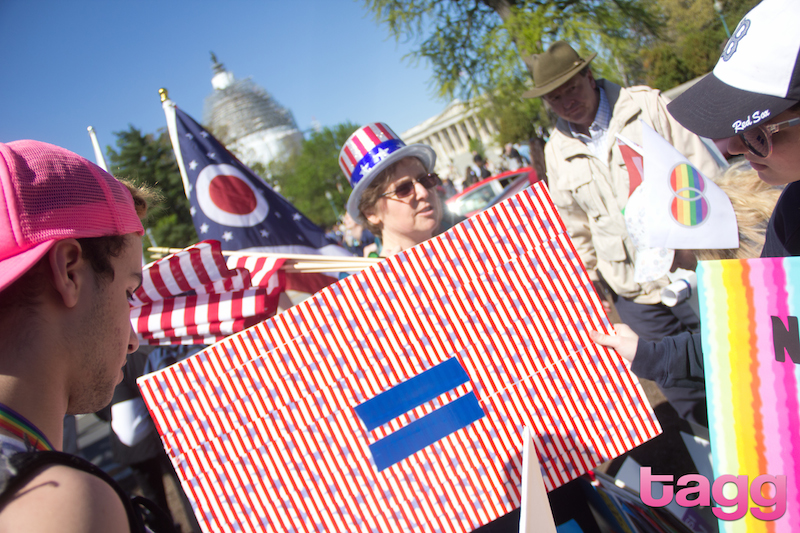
x=164, y=96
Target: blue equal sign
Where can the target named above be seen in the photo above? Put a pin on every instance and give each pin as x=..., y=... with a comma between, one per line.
x=424, y=431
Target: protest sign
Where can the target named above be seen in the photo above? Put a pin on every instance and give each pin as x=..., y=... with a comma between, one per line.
x=395, y=399
x=751, y=353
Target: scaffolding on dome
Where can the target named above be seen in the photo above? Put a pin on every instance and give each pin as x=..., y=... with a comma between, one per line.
x=243, y=108
x=247, y=119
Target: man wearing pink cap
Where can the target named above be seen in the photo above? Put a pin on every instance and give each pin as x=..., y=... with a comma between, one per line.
x=70, y=257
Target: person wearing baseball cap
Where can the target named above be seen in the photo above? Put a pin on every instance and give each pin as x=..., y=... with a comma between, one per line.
x=70, y=258
x=590, y=185
x=394, y=188
x=751, y=97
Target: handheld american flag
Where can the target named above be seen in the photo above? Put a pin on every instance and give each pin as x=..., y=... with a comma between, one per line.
x=448, y=350
x=194, y=297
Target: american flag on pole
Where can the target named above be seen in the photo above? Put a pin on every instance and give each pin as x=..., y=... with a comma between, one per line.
x=396, y=399
x=196, y=297
x=231, y=204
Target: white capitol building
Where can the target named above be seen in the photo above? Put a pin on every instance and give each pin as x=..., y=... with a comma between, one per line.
x=248, y=121
x=449, y=133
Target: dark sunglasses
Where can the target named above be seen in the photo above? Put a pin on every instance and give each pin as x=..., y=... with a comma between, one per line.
x=759, y=139
x=406, y=189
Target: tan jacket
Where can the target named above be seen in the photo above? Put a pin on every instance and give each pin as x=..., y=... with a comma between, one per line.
x=590, y=196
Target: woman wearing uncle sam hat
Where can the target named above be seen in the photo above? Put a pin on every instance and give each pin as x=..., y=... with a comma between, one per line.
x=394, y=187
x=751, y=97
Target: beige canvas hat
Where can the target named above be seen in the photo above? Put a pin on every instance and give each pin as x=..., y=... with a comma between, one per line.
x=554, y=68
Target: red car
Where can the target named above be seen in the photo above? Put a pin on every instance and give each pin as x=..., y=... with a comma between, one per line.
x=481, y=195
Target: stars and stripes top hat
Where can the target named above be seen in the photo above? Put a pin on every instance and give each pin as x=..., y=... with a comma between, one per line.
x=756, y=78
x=371, y=149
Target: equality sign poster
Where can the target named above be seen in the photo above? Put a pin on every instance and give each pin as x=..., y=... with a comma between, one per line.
x=396, y=399
x=751, y=353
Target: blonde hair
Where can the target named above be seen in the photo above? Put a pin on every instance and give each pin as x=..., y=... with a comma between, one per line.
x=753, y=201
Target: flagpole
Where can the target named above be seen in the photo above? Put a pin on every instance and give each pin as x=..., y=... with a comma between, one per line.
x=172, y=127
x=325, y=270
x=277, y=255
x=98, y=153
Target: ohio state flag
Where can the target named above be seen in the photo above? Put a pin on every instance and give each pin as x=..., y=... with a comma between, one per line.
x=231, y=204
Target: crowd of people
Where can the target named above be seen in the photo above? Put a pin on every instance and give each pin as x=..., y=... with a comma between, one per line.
x=760, y=125
x=70, y=252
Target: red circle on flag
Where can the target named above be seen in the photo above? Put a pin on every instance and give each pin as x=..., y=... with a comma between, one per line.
x=228, y=197
x=232, y=195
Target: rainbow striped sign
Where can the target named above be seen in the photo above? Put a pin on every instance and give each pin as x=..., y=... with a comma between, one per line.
x=689, y=205
x=752, y=372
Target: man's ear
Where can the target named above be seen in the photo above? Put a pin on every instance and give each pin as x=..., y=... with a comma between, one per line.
x=68, y=269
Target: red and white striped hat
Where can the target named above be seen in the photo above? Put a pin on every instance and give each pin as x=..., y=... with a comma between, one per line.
x=371, y=149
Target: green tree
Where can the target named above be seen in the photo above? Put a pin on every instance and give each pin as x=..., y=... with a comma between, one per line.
x=476, y=48
x=312, y=180
x=148, y=159
x=472, y=44
x=691, y=39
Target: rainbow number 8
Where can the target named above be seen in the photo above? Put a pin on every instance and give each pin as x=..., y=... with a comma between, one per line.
x=689, y=206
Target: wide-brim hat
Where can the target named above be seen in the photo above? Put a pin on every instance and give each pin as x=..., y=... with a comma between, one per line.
x=368, y=151
x=554, y=68
x=756, y=78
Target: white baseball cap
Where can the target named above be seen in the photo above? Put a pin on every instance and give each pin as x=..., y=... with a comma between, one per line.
x=756, y=78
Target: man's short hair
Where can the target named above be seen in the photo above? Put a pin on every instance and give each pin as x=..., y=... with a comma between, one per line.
x=28, y=289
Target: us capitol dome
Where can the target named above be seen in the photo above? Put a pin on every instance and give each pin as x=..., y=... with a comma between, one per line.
x=247, y=120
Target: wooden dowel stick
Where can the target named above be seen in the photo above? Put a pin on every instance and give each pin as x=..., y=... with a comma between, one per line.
x=301, y=257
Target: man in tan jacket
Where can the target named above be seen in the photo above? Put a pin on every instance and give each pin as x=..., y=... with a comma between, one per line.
x=590, y=186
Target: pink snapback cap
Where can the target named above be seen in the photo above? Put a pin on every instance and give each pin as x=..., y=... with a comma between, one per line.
x=48, y=194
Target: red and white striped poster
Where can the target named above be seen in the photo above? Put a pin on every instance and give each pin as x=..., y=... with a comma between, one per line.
x=396, y=399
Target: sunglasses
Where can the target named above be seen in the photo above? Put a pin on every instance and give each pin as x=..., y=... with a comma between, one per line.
x=406, y=189
x=759, y=139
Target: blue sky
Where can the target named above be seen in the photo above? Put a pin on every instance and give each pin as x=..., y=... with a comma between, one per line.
x=70, y=64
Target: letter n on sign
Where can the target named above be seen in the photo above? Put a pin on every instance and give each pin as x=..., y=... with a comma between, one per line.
x=786, y=340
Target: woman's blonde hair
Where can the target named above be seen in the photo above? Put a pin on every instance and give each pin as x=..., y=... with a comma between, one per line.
x=753, y=201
